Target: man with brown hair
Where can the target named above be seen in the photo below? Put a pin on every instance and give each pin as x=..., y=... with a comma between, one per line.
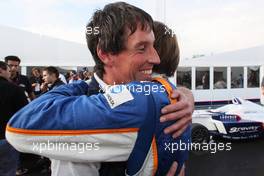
x=51, y=79
x=20, y=80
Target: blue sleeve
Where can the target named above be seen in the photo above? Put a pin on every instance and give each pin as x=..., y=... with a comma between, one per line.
x=68, y=108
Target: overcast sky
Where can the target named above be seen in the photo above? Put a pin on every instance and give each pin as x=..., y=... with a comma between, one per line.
x=202, y=26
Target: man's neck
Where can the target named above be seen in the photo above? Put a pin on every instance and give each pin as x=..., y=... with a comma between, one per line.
x=110, y=79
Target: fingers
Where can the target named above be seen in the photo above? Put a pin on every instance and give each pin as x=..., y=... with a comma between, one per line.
x=176, y=111
x=178, y=127
x=182, y=172
x=174, y=107
x=175, y=94
x=180, y=131
x=173, y=169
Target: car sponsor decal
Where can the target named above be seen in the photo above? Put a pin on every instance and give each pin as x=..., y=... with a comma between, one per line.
x=244, y=129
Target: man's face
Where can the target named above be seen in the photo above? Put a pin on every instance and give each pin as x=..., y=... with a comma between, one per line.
x=5, y=73
x=14, y=66
x=48, y=78
x=36, y=73
x=136, y=61
x=73, y=75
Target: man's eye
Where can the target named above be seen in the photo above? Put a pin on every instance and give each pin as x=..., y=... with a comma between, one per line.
x=142, y=48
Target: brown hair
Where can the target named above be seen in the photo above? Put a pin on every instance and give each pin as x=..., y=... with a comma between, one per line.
x=52, y=70
x=167, y=48
x=35, y=68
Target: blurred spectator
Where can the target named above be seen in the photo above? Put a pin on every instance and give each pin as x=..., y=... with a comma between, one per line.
x=253, y=79
x=51, y=79
x=220, y=84
x=81, y=75
x=240, y=81
x=205, y=81
x=36, y=80
x=67, y=76
x=12, y=99
x=20, y=80
x=73, y=76
x=87, y=75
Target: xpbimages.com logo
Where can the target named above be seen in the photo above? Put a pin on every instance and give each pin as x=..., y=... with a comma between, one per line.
x=211, y=147
x=146, y=89
x=80, y=147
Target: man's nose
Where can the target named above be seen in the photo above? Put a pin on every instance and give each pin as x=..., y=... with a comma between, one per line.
x=154, y=57
x=13, y=68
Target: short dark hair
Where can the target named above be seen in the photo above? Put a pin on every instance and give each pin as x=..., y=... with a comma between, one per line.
x=12, y=58
x=167, y=48
x=52, y=70
x=113, y=23
x=3, y=65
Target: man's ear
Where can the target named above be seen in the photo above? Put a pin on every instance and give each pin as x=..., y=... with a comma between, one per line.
x=105, y=57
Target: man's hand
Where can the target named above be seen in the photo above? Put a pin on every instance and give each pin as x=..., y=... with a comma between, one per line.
x=44, y=87
x=181, y=111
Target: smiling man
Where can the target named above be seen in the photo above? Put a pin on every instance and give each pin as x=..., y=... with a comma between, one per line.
x=123, y=52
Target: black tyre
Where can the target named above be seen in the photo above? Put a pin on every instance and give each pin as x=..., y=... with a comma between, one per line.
x=200, y=134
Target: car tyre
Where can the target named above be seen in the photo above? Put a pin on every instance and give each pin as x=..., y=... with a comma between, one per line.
x=200, y=134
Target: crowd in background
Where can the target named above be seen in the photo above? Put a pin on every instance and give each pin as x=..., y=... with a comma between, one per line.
x=16, y=90
x=47, y=78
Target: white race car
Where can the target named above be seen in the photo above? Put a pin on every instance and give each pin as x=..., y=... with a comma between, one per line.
x=240, y=120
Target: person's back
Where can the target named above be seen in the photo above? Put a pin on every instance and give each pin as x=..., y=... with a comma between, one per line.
x=12, y=99
x=9, y=94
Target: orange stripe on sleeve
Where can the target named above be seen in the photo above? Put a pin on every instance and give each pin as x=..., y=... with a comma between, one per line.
x=69, y=132
x=167, y=86
x=155, y=156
